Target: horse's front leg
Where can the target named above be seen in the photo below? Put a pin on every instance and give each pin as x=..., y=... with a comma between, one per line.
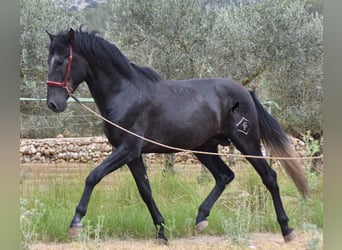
x=140, y=176
x=118, y=158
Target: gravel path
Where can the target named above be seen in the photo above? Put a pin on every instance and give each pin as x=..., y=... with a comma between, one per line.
x=264, y=241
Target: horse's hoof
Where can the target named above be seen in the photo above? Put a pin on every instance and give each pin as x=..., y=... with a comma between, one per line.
x=162, y=242
x=201, y=226
x=74, y=232
x=291, y=236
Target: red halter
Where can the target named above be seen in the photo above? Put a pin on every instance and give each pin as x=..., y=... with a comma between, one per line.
x=64, y=83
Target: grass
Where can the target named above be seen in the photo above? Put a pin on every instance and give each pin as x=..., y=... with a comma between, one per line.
x=49, y=196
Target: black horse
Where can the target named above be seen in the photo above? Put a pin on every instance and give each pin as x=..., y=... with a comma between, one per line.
x=196, y=114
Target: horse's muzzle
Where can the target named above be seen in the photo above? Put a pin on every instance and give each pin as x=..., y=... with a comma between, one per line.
x=57, y=108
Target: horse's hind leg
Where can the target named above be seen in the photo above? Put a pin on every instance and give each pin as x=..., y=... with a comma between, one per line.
x=223, y=176
x=250, y=145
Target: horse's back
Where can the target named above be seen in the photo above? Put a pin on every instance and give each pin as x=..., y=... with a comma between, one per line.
x=208, y=85
x=217, y=94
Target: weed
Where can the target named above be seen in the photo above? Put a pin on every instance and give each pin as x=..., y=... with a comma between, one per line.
x=91, y=233
x=314, y=241
x=30, y=219
x=238, y=227
x=313, y=147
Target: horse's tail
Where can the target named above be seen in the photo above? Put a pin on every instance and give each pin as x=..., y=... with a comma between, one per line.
x=274, y=137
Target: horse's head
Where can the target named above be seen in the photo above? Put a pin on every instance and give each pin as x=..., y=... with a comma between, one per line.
x=67, y=69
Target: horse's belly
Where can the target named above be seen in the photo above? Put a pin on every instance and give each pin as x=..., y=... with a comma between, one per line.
x=186, y=134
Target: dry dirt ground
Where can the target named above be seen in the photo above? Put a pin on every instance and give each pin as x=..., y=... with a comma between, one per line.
x=263, y=241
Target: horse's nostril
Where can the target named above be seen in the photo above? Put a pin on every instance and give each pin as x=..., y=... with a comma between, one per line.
x=52, y=106
x=56, y=106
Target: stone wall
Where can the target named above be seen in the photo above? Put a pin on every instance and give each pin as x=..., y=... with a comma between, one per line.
x=89, y=150
x=83, y=150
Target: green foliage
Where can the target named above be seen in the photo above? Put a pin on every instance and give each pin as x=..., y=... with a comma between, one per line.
x=312, y=146
x=315, y=6
x=35, y=18
x=170, y=36
x=279, y=46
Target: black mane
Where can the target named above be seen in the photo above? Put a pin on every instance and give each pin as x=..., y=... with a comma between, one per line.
x=147, y=72
x=107, y=55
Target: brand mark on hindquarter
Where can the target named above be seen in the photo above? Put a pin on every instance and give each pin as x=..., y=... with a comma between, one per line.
x=243, y=126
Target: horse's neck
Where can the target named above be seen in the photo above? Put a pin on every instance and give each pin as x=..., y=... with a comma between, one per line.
x=105, y=89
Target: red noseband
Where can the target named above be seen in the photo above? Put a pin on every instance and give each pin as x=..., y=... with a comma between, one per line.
x=64, y=83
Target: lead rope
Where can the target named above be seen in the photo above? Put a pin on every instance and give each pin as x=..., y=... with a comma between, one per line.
x=187, y=150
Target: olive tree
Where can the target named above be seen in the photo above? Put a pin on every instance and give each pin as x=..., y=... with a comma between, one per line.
x=275, y=46
x=37, y=16
x=170, y=36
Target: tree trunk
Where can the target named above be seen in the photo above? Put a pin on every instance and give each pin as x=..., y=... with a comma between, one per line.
x=169, y=164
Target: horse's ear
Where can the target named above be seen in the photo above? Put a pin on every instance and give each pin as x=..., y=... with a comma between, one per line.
x=71, y=35
x=51, y=36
